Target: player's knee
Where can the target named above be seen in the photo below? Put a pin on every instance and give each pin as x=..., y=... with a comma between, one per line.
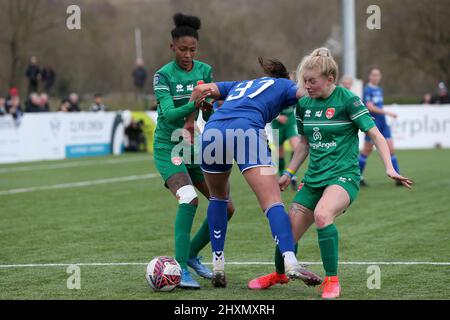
x=187, y=195
x=322, y=218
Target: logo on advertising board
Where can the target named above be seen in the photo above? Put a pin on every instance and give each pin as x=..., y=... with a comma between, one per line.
x=55, y=126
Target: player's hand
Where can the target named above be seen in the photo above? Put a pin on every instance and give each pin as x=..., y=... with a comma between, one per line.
x=200, y=98
x=391, y=114
x=282, y=119
x=284, y=182
x=206, y=106
x=395, y=176
x=199, y=91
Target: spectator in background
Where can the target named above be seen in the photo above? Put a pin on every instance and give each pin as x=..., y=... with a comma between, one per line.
x=15, y=109
x=427, y=98
x=98, y=104
x=48, y=77
x=33, y=103
x=139, y=79
x=65, y=105
x=442, y=97
x=73, y=101
x=44, y=103
x=33, y=73
x=2, y=106
x=12, y=93
x=136, y=137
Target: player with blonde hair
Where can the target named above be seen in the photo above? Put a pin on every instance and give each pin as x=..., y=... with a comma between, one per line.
x=328, y=120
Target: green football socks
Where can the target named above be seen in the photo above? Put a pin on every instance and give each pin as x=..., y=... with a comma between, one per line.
x=183, y=225
x=328, y=244
x=200, y=240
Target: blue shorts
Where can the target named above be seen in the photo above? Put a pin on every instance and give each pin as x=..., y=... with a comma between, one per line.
x=229, y=140
x=384, y=129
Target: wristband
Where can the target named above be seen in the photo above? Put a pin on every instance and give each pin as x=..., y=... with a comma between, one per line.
x=290, y=173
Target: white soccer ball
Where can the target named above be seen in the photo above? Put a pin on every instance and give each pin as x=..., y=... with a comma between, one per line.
x=163, y=273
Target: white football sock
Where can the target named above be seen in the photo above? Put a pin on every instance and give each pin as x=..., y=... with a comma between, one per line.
x=290, y=258
x=218, y=261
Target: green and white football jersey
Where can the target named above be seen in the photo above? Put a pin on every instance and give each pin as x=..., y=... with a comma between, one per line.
x=173, y=86
x=331, y=126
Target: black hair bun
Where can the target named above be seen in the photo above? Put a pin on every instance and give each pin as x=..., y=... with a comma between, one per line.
x=181, y=20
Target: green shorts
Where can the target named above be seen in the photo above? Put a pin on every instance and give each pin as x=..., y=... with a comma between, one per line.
x=167, y=166
x=309, y=196
x=285, y=131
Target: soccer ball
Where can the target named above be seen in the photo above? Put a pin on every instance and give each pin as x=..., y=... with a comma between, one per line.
x=163, y=273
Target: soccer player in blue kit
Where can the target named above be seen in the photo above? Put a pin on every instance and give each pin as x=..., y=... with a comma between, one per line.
x=373, y=99
x=236, y=132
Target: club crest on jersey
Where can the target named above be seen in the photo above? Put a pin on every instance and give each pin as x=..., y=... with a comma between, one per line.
x=330, y=113
x=177, y=161
x=200, y=82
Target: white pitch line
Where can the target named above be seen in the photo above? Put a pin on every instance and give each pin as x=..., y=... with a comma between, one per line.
x=79, y=184
x=109, y=264
x=72, y=164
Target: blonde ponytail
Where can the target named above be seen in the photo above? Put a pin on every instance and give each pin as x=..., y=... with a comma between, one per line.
x=321, y=60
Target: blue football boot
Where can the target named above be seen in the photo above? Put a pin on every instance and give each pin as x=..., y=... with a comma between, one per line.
x=199, y=268
x=186, y=280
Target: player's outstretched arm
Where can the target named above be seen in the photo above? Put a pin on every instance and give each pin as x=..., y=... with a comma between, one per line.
x=383, y=150
x=374, y=109
x=208, y=87
x=300, y=153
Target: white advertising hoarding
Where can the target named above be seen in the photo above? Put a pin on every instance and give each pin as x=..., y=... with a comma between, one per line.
x=419, y=126
x=51, y=136
x=47, y=136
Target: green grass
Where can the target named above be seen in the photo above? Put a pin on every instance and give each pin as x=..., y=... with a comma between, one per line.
x=133, y=222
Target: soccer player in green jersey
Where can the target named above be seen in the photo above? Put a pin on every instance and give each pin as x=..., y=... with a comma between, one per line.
x=173, y=85
x=328, y=120
x=287, y=130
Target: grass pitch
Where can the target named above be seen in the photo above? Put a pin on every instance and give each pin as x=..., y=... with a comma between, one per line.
x=46, y=218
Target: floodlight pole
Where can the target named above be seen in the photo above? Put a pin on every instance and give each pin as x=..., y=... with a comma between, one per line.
x=348, y=23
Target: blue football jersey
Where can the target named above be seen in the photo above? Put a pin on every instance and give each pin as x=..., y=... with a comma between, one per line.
x=375, y=95
x=260, y=100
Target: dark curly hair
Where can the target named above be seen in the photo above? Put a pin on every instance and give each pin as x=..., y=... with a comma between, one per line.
x=185, y=25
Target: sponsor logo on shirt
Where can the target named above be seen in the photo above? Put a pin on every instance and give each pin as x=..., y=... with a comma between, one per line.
x=190, y=87
x=323, y=145
x=179, y=88
x=329, y=113
x=317, y=135
x=319, y=113
x=307, y=113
